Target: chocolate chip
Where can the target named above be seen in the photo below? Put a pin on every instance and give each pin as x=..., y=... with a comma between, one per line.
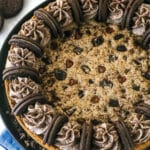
x=97, y=41
x=91, y=81
x=60, y=74
x=121, y=48
x=121, y=79
x=69, y=63
x=106, y=83
x=95, y=99
x=77, y=50
x=73, y=82
x=136, y=87
x=113, y=103
x=46, y=60
x=101, y=69
x=81, y=93
x=118, y=36
x=85, y=69
x=112, y=58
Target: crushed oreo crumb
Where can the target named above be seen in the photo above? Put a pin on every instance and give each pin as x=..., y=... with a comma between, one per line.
x=97, y=41
x=81, y=93
x=91, y=81
x=46, y=60
x=106, y=83
x=77, y=50
x=85, y=69
x=112, y=58
x=113, y=103
x=118, y=36
x=121, y=48
x=60, y=74
x=136, y=87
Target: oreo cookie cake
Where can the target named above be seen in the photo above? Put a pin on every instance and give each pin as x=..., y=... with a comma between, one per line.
x=77, y=75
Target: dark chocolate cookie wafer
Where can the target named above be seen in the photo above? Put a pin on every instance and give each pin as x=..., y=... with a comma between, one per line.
x=124, y=135
x=147, y=1
x=1, y=21
x=50, y=21
x=129, y=12
x=146, y=39
x=86, y=137
x=12, y=7
x=28, y=100
x=13, y=72
x=54, y=128
x=103, y=11
x=76, y=11
x=25, y=42
x=144, y=109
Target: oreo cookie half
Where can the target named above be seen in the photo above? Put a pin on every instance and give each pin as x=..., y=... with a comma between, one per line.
x=129, y=12
x=24, y=42
x=54, y=128
x=12, y=7
x=124, y=135
x=103, y=11
x=50, y=21
x=144, y=109
x=146, y=39
x=76, y=11
x=13, y=72
x=147, y=1
x=29, y=100
x=86, y=137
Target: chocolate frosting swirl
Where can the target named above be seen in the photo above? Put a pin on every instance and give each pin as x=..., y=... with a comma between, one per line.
x=37, y=31
x=61, y=10
x=90, y=8
x=22, y=87
x=68, y=136
x=141, y=19
x=117, y=8
x=38, y=118
x=140, y=128
x=105, y=137
x=21, y=57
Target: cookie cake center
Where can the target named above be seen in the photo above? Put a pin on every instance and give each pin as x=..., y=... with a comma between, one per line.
x=95, y=72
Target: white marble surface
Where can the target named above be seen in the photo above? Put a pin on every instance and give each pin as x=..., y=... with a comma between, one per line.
x=9, y=25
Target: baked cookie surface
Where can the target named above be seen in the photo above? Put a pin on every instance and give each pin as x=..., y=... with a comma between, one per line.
x=80, y=84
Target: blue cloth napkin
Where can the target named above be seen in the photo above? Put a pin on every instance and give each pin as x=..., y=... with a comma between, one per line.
x=7, y=142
